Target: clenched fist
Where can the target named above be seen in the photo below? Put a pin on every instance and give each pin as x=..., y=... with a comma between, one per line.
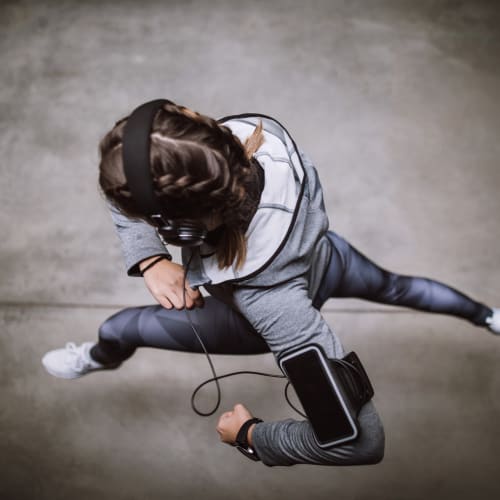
x=230, y=423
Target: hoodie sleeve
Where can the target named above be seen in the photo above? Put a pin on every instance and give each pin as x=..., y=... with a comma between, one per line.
x=285, y=318
x=138, y=240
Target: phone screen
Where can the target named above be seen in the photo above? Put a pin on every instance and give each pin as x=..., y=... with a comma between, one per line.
x=318, y=397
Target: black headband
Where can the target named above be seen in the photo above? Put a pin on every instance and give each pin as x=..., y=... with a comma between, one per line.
x=135, y=155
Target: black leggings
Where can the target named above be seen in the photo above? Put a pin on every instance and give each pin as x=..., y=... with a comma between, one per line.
x=225, y=331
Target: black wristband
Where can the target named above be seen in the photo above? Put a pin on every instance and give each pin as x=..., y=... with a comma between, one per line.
x=151, y=264
x=241, y=441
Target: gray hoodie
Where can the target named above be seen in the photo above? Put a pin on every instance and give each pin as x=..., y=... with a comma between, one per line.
x=288, y=254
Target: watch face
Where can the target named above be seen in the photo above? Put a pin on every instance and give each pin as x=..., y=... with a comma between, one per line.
x=248, y=452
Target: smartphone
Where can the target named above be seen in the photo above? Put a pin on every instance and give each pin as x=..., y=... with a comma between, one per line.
x=321, y=394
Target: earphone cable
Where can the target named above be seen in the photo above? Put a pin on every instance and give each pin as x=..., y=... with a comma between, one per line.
x=290, y=403
x=216, y=377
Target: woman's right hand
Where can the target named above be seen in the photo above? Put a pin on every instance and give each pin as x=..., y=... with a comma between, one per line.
x=165, y=281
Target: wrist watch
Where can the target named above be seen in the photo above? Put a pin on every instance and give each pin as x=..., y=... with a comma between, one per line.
x=241, y=441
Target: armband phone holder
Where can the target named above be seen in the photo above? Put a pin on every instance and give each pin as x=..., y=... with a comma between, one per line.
x=331, y=391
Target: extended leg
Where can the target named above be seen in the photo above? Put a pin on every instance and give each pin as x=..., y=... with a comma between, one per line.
x=351, y=274
x=222, y=330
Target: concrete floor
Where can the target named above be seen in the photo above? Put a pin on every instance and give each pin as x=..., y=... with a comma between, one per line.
x=397, y=102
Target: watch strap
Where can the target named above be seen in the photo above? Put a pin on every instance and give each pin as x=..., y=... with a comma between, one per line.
x=241, y=441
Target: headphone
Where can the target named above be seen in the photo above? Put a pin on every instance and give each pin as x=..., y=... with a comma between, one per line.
x=136, y=165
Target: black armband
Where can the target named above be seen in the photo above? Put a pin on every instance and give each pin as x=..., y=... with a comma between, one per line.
x=331, y=391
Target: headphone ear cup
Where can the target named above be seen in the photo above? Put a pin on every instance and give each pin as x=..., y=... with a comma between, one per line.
x=184, y=234
x=168, y=231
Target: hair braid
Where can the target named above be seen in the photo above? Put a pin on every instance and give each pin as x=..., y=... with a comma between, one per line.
x=198, y=166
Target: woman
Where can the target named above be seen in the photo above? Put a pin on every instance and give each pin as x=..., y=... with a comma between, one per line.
x=267, y=260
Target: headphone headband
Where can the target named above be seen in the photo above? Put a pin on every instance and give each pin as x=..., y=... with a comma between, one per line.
x=136, y=146
x=136, y=151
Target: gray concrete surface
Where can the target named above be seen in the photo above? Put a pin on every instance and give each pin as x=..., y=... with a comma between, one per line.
x=398, y=104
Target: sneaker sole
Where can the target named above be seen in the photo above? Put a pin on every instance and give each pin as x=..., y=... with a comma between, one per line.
x=71, y=376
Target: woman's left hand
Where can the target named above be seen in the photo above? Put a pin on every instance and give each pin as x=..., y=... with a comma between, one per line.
x=230, y=423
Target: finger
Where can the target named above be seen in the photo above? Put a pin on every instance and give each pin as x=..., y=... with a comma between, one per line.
x=199, y=301
x=226, y=415
x=188, y=300
x=222, y=434
x=193, y=298
x=222, y=418
x=177, y=299
x=163, y=301
x=242, y=411
x=194, y=291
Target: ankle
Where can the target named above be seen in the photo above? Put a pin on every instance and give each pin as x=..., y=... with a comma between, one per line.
x=96, y=355
x=107, y=354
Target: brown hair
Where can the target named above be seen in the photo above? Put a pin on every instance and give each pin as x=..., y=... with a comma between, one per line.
x=199, y=167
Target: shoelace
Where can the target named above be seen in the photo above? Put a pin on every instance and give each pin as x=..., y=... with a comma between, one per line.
x=80, y=363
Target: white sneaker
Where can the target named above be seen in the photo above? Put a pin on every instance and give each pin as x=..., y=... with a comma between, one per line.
x=493, y=322
x=73, y=361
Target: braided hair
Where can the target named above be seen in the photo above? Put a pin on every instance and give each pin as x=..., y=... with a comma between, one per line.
x=198, y=167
